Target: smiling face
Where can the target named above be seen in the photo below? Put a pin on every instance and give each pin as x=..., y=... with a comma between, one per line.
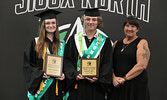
x=91, y=23
x=131, y=26
x=50, y=25
x=130, y=30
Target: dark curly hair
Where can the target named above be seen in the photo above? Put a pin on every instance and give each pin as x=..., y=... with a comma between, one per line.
x=132, y=20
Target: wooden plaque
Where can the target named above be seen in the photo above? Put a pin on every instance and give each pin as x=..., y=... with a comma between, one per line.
x=89, y=67
x=53, y=65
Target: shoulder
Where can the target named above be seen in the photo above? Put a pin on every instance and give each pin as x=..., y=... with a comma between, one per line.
x=142, y=42
x=114, y=44
x=102, y=33
x=143, y=46
x=69, y=37
x=30, y=45
x=117, y=42
x=34, y=41
x=108, y=41
x=104, y=36
x=70, y=40
x=62, y=41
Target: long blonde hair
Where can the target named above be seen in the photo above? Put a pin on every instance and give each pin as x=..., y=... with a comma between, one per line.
x=41, y=43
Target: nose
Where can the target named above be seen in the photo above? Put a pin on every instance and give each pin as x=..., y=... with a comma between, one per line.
x=91, y=21
x=51, y=25
x=129, y=28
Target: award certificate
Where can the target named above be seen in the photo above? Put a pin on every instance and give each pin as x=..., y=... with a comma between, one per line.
x=89, y=67
x=53, y=65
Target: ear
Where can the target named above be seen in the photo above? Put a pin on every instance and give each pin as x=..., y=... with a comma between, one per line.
x=137, y=30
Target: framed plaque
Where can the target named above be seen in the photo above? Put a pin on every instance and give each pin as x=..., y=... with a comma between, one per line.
x=89, y=67
x=53, y=65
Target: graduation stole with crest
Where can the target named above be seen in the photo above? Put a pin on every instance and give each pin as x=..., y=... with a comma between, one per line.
x=45, y=84
x=94, y=49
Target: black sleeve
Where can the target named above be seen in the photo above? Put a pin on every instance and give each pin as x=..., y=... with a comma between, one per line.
x=70, y=62
x=106, y=63
x=32, y=72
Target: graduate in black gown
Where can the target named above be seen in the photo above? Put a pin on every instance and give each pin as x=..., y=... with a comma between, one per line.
x=131, y=56
x=40, y=85
x=88, y=88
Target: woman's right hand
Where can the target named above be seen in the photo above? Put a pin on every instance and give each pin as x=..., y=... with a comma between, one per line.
x=45, y=76
x=117, y=81
x=79, y=77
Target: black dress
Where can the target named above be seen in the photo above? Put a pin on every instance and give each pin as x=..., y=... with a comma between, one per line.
x=32, y=68
x=137, y=88
x=87, y=90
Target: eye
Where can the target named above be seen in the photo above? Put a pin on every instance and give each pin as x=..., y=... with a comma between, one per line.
x=133, y=26
x=47, y=23
x=53, y=22
x=94, y=19
x=87, y=19
x=127, y=25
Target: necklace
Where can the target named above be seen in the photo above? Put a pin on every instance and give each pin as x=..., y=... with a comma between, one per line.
x=124, y=47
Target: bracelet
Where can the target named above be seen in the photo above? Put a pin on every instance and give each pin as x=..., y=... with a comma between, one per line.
x=125, y=78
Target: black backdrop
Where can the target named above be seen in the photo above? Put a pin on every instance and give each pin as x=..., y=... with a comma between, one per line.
x=16, y=30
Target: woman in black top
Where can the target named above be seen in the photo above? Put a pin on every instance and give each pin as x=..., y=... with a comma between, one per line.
x=131, y=56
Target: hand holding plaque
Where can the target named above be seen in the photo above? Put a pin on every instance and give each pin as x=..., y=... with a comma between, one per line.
x=89, y=67
x=53, y=65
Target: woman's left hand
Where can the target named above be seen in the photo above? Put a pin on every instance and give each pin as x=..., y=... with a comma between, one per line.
x=61, y=78
x=121, y=80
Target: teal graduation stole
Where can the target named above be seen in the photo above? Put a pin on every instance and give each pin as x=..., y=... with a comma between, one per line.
x=47, y=82
x=94, y=49
x=92, y=52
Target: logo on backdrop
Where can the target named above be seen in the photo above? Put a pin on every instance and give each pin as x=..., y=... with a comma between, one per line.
x=76, y=28
x=138, y=8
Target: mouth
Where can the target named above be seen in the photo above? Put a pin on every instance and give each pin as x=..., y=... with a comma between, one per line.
x=130, y=32
x=51, y=28
x=91, y=25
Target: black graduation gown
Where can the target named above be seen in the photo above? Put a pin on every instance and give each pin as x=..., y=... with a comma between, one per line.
x=32, y=68
x=87, y=90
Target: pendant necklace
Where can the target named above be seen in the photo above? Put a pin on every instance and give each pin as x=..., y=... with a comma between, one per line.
x=124, y=47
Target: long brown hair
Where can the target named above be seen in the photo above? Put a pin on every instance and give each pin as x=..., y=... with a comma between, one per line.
x=41, y=43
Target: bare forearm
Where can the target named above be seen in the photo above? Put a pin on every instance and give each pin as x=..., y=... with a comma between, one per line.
x=143, y=55
x=134, y=72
